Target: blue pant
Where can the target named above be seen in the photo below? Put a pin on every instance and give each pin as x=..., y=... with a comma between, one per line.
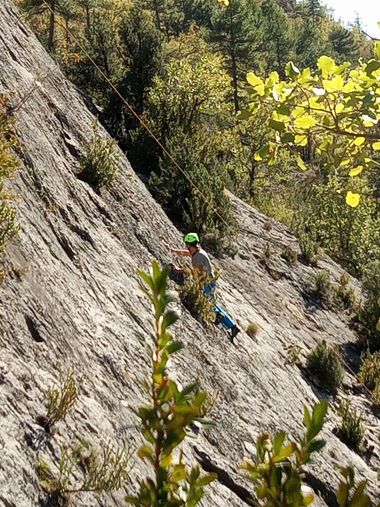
x=222, y=316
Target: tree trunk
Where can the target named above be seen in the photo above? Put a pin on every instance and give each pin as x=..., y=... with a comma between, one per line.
x=252, y=176
x=51, y=26
x=234, y=66
x=156, y=10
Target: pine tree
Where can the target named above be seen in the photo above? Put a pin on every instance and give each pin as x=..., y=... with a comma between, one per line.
x=141, y=49
x=38, y=8
x=277, y=36
x=344, y=45
x=314, y=10
x=236, y=30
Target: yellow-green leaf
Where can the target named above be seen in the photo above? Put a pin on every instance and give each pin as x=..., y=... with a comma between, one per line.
x=254, y=80
x=301, y=164
x=166, y=461
x=352, y=199
x=305, y=122
x=291, y=70
x=376, y=146
x=377, y=50
x=326, y=65
x=300, y=140
x=359, y=141
x=356, y=170
x=333, y=85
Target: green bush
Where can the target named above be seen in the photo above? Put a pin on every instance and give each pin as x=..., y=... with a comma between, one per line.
x=343, y=294
x=277, y=471
x=199, y=304
x=324, y=364
x=310, y=249
x=320, y=284
x=376, y=395
x=98, y=166
x=289, y=254
x=369, y=372
x=8, y=166
x=369, y=313
x=83, y=468
x=59, y=401
x=351, y=430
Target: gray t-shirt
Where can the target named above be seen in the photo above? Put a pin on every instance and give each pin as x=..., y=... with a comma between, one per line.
x=201, y=260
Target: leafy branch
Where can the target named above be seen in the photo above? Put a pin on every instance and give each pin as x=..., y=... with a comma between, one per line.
x=169, y=413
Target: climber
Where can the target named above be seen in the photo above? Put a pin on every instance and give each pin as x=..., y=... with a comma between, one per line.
x=201, y=261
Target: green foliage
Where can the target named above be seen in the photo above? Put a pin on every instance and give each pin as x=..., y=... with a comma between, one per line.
x=339, y=295
x=320, y=284
x=351, y=430
x=376, y=395
x=278, y=39
x=199, y=304
x=179, y=197
x=343, y=293
x=369, y=314
x=183, y=112
x=168, y=414
x=8, y=166
x=99, y=165
x=350, y=494
x=289, y=254
x=294, y=353
x=277, y=472
x=310, y=249
x=345, y=46
x=141, y=46
x=344, y=233
x=324, y=364
x=236, y=30
x=369, y=372
x=59, y=401
x=320, y=108
x=83, y=468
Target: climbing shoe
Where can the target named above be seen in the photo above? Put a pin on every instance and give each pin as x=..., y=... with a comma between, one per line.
x=218, y=319
x=234, y=331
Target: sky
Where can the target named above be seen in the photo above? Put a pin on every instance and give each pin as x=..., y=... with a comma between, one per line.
x=368, y=11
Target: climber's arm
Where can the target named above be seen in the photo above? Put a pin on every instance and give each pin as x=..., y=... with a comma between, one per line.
x=179, y=251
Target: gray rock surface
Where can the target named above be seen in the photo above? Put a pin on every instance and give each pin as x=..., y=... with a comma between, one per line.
x=73, y=297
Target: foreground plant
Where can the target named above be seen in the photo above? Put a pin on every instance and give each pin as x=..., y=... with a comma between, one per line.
x=350, y=494
x=168, y=414
x=277, y=472
x=84, y=469
x=59, y=401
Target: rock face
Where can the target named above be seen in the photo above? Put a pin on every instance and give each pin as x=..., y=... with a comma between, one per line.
x=72, y=298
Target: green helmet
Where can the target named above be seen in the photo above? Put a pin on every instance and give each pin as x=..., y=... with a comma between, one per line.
x=192, y=237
